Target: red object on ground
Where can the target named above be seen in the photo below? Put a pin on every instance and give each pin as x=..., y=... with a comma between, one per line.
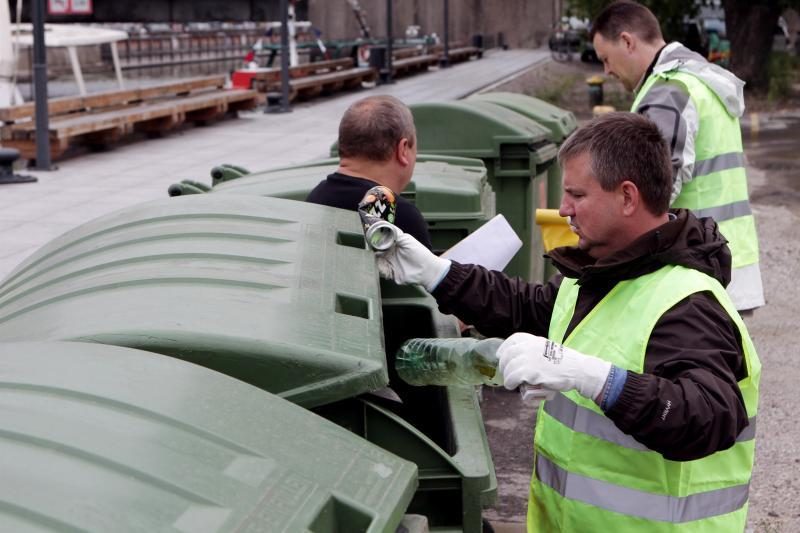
x=243, y=79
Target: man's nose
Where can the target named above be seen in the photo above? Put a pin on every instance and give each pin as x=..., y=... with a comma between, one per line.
x=565, y=209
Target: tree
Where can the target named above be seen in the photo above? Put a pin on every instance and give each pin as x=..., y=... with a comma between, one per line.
x=671, y=13
x=750, y=25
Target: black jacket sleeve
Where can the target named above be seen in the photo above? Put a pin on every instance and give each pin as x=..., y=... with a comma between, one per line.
x=687, y=403
x=411, y=221
x=494, y=303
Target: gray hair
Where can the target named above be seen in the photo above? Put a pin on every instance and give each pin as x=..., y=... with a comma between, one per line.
x=625, y=147
x=372, y=127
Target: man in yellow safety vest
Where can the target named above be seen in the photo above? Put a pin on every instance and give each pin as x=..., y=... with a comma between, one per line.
x=697, y=106
x=652, y=427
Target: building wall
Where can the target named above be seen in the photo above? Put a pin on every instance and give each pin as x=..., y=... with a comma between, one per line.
x=524, y=23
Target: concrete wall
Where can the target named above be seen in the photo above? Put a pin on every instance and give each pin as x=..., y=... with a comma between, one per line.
x=524, y=23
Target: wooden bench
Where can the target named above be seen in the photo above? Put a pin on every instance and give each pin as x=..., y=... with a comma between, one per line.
x=463, y=53
x=413, y=64
x=102, y=118
x=458, y=51
x=310, y=86
x=263, y=79
x=406, y=52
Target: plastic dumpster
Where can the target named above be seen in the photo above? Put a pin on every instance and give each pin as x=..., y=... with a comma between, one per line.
x=446, y=438
x=277, y=293
x=560, y=123
x=100, y=438
x=452, y=194
x=517, y=155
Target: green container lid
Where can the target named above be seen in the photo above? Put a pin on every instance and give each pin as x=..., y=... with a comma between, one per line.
x=281, y=294
x=100, y=438
x=442, y=190
x=471, y=128
x=560, y=123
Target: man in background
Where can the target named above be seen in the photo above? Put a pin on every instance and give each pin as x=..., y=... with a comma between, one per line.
x=377, y=146
x=697, y=106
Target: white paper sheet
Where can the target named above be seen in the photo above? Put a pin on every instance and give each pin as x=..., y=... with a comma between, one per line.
x=492, y=245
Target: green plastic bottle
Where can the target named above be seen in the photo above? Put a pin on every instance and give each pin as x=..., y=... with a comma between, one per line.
x=453, y=361
x=449, y=361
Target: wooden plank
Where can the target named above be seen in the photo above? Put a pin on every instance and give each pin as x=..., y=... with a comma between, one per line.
x=413, y=64
x=27, y=147
x=360, y=73
x=68, y=104
x=464, y=53
x=265, y=77
x=206, y=114
x=404, y=53
x=71, y=126
x=101, y=129
x=102, y=140
x=160, y=126
x=311, y=86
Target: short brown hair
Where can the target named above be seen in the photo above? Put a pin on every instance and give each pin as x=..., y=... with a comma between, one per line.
x=372, y=127
x=626, y=16
x=625, y=147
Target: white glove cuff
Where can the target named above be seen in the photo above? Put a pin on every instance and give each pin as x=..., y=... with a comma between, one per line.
x=440, y=269
x=596, y=373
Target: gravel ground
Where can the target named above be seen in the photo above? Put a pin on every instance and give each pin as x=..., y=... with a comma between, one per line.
x=772, y=144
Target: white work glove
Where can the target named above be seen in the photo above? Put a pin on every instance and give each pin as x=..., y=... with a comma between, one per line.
x=541, y=362
x=409, y=262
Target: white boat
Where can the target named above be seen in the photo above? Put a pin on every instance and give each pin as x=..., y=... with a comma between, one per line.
x=68, y=36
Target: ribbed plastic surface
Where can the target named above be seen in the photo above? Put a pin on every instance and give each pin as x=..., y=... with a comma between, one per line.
x=100, y=438
x=452, y=193
x=278, y=293
x=559, y=122
x=471, y=128
x=517, y=155
x=440, y=190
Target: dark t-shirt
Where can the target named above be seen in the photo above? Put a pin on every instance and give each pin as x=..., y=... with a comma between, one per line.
x=345, y=192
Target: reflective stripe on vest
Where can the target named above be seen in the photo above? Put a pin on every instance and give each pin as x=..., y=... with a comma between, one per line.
x=718, y=163
x=632, y=502
x=587, y=421
x=591, y=476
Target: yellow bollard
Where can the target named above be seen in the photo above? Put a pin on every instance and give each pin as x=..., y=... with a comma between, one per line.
x=602, y=110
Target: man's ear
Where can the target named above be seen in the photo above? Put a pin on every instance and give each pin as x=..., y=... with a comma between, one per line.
x=629, y=195
x=628, y=40
x=403, y=152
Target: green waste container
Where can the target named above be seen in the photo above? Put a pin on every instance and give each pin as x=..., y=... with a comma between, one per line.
x=452, y=194
x=100, y=438
x=281, y=294
x=517, y=155
x=278, y=293
x=559, y=122
x=446, y=438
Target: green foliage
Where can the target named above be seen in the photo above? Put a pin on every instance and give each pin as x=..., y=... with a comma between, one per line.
x=671, y=13
x=556, y=92
x=782, y=72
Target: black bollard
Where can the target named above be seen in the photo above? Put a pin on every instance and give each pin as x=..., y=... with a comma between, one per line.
x=7, y=176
